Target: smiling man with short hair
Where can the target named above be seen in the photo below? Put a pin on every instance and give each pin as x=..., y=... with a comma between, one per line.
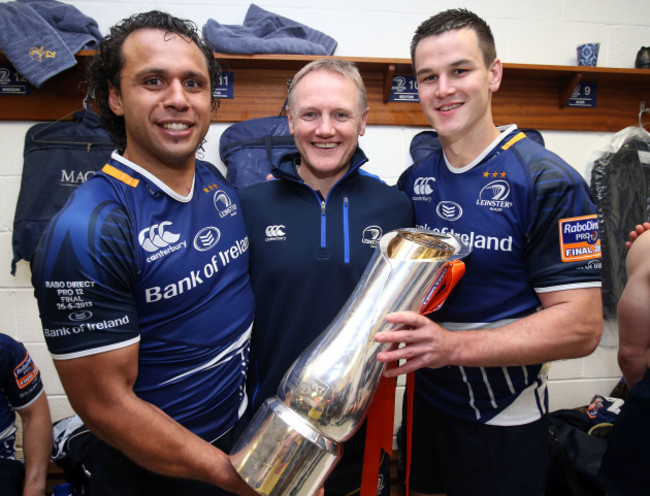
x=312, y=232
x=531, y=290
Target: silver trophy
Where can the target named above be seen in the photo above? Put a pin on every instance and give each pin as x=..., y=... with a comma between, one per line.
x=293, y=441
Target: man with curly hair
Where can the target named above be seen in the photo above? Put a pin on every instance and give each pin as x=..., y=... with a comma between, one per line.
x=142, y=278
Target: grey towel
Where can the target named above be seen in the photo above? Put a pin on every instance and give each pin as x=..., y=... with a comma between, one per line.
x=265, y=32
x=41, y=37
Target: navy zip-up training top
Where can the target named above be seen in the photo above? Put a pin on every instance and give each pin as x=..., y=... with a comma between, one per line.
x=307, y=255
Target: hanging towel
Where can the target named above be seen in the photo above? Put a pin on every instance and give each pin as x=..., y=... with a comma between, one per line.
x=41, y=37
x=265, y=32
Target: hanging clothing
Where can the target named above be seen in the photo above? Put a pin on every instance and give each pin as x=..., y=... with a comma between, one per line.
x=620, y=184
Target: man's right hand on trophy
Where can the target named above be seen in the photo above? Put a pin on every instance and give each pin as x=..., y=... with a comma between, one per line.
x=425, y=343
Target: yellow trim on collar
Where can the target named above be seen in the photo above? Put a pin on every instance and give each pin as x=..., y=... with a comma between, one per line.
x=120, y=176
x=513, y=140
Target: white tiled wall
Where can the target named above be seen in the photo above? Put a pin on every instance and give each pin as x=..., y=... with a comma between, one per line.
x=529, y=32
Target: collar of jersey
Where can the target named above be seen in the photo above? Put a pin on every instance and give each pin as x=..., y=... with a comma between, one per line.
x=505, y=132
x=154, y=182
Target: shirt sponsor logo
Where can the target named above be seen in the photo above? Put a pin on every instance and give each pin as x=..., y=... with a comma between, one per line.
x=579, y=238
x=474, y=240
x=86, y=326
x=275, y=233
x=224, y=204
x=159, y=240
x=494, y=195
x=25, y=372
x=423, y=187
x=371, y=235
x=207, y=238
x=196, y=278
x=449, y=210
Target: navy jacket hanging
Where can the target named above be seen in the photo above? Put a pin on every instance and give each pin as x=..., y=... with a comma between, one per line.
x=251, y=148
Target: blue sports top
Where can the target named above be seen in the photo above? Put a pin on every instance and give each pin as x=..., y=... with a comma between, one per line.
x=20, y=385
x=531, y=223
x=127, y=260
x=307, y=255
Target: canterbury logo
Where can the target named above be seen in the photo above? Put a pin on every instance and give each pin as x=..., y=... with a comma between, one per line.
x=275, y=231
x=424, y=185
x=156, y=237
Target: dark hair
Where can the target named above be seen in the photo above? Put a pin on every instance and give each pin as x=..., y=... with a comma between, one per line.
x=451, y=19
x=107, y=64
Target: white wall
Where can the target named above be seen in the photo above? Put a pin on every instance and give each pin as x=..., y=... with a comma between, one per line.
x=530, y=32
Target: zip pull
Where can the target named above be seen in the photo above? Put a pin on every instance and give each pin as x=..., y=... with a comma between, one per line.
x=323, y=225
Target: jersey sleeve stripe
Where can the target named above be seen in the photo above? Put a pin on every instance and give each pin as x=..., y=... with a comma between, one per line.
x=95, y=351
x=563, y=287
x=18, y=408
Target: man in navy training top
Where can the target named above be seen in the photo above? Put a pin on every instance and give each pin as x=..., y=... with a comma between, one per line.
x=142, y=278
x=531, y=291
x=21, y=390
x=312, y=233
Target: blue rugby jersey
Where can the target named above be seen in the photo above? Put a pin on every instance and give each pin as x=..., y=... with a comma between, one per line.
x=531, y=223
x=20, y=385
x=128, y=260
